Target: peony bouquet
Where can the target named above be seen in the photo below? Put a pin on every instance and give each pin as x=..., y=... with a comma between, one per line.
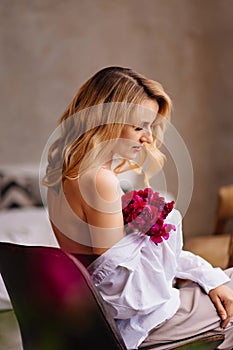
x=144, y=211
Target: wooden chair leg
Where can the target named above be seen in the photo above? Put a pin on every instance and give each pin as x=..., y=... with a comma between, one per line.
x=230, y=261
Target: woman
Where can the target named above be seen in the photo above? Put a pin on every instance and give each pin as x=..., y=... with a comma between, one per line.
x=120, y=114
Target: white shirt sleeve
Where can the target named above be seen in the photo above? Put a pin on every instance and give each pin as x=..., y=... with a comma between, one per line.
x=195, y=268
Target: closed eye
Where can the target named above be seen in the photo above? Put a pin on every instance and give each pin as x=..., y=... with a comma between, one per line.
x=146, y=127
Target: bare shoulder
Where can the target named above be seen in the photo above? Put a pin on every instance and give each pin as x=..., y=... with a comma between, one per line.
x=100, y=187
x=107, y=184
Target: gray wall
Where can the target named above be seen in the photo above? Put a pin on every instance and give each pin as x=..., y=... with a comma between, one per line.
x=49, y=47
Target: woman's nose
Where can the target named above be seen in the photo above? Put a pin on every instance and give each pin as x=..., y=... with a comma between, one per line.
x=147, y=137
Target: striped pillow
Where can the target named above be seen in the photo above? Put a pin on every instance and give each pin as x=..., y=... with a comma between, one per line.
x=19, y=188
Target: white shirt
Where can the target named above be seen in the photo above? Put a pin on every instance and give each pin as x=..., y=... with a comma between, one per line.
x=135, y=278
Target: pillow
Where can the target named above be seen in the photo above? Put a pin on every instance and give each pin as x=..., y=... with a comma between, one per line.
x=19, y=187
x=28, y=226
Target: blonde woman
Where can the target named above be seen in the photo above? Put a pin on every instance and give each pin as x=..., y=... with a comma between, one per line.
x=118, y=117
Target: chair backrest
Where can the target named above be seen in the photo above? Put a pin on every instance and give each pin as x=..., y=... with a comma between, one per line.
x=58, y=306
x=55, y=302
x=224, y=208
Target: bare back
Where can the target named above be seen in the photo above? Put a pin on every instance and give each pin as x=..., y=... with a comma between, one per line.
x=86, y=213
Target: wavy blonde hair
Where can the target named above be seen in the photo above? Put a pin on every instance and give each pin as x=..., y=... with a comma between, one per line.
x=97, y=114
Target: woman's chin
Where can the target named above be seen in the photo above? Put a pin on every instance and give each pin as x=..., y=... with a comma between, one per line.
x=130, y=156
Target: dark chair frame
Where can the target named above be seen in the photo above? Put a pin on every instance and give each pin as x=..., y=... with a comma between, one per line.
x=58, y=307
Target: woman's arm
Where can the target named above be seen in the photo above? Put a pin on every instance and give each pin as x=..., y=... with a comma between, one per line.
x=211, y=279
x=193, y=267
x=102, y=207
x=197, y=269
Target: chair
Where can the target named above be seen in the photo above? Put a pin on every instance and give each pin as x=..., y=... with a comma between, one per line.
x=58, y=307
x=224, y=215
x=216, y=248
x=230, y=261
x=224, y=209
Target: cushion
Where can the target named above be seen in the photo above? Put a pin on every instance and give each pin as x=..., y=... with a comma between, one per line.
x=19, y=186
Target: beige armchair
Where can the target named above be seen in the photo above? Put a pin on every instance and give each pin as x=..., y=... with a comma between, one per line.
x=217, y=248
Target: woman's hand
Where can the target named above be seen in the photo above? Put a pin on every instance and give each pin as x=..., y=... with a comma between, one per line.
x=222, y=298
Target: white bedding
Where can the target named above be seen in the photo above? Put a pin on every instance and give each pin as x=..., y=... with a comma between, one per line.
x=28, y=226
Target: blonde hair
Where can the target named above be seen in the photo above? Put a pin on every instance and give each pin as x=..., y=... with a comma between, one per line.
x=97, y=114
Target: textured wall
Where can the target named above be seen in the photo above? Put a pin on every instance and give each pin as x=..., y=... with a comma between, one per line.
x=49, y=47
